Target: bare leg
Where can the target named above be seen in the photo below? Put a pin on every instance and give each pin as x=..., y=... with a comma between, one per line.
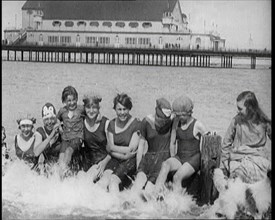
x=68, y=155
x=139, y=182
x=114, y=184
x=64, y=160
x=104, y=181
x=61, y=163
x=149, y=188
x=93, y=172
x=184, y=172
x=170, y=164
x=41, y=161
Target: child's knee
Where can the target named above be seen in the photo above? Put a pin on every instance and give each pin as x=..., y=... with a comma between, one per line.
x=69, y=151
x=177, y=178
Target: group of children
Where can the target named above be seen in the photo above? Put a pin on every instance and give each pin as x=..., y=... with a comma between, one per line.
x=112, y=151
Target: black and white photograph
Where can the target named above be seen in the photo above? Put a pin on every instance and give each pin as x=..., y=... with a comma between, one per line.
x=136, y=109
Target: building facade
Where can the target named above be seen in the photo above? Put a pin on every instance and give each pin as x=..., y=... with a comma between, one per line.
x=116, y=23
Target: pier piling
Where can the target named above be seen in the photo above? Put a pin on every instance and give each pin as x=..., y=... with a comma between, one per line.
x=126, y=56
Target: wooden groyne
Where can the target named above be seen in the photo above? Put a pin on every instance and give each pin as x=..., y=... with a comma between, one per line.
x=127, y=56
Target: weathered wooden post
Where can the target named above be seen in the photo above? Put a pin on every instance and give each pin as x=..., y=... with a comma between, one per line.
x=184, y=60
x=253, y=62
x=210, y=159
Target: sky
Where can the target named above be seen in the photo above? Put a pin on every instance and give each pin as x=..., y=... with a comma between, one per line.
x=235, y=20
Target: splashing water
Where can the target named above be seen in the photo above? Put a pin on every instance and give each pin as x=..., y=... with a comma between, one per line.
x=26, y=194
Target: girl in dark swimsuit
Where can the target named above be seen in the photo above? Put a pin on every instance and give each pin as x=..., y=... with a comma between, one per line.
x=94, y=154
x=184, y=145
x=48, y=140
x=123, y=139
x=25, y=141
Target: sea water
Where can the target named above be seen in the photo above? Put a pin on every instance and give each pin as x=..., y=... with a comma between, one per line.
x=26, y=87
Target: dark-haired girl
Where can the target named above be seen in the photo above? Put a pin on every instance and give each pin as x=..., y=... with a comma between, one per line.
x=244, y=142
x=123, y=139
x=71, y=115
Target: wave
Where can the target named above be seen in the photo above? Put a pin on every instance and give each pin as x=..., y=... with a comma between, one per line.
x=26, y=194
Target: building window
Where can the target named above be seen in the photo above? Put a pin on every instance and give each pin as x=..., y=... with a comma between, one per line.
x=81, y=23
x=146, y=24
x=91, y=40
x=53, y=39
x=69, y=23
x=133, y=24
x=107, y=24
x=144, y=41
x=160, y=40
x=39, y=12
x=94, y=24
x=130, y=40
x=56, y=23
x=40, y=37
x=104, y=40
x=65, y=39
x=198, y=40
x=120, y=24
x=77, y=38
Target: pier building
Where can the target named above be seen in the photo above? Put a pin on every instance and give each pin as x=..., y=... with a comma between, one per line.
x=158, y=24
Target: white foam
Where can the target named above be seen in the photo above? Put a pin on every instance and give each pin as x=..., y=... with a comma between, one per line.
x=36, y=195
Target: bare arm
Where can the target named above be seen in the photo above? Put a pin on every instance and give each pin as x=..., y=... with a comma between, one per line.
x=228, y=143
x=140, y=150
x=199, y=130
x=40, y=145
x=173, y=142
x=111, y=147
x=132, y=147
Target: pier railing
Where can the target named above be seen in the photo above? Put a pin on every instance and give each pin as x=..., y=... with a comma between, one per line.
x=129, y=56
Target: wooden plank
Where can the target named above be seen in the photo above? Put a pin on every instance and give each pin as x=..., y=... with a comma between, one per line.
x=210, y=159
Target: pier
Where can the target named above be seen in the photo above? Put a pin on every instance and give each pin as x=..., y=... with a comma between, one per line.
x=128, y=56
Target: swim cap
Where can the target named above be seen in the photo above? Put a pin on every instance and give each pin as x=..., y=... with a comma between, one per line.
x=183, y=105
x=48, y=111
x=165, y=107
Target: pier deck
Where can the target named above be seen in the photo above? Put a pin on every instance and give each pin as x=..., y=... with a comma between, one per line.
x=128, y=56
